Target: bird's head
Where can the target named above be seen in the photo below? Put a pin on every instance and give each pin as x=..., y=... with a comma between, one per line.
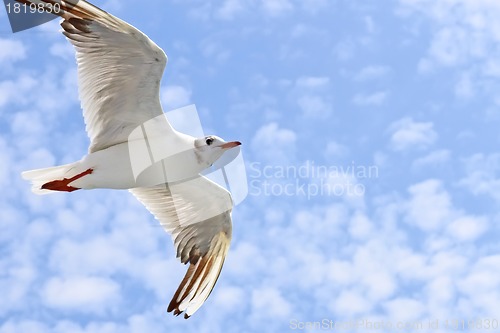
x=210, y=148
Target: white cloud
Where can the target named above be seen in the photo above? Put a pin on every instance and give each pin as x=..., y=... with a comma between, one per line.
x=341, y=272
x=12, y=91
x=11, y=51
x=24, y=326
x=465, y=87
x=19, y=275
x=429, y=206
x=268, y=302
x=141, y=322
x=274, y=143
x=481, y=175
x=464, y=36
x=174, y=97
x=301, y=30
x=215, y=50
x=481, y=284
x=467, y=228
x=374, y=99
x=407, y=133
x=64, y=50
x=335, y=150
x=371, y=27
x=371, y=73
x=360, y=227
x=374, y=275
x=113, y=5
x=440, y=291
x=350, y=303
x=245, y=259
x=229, y=9
x=229, y=298
x=201, y=12
x=6, y=158
x=29, y=127
x=404, y=309
x=276, y=7
x=100, y=255
x=430, y=209
x=313, y=96
x=314, y=6
x=449, y=47
x=315, y=107
x=83, y=294
x=312, y=82
x=345, y=49
x=345, y=185
x=433, y=159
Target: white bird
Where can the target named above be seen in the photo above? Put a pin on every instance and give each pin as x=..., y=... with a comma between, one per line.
x=119, y=72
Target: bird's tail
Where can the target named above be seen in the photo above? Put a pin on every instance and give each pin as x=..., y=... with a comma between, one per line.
x=41, y=177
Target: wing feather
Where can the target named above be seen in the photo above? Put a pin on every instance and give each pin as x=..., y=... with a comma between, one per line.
x=119, y=71
x=197, y=214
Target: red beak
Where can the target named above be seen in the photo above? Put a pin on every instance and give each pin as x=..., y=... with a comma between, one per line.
x=231, y=144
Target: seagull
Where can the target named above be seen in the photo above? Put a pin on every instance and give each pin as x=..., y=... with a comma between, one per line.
x=119, y=73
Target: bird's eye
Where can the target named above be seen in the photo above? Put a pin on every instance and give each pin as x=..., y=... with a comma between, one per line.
x=209, y=141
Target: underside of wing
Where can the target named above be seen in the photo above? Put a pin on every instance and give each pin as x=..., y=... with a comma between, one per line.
x=197, y=214
x=119, y=71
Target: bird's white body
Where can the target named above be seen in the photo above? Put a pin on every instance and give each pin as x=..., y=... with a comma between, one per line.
x=113, y=167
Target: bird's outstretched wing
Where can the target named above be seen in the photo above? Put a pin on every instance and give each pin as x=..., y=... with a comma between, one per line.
x=119, y=71
x=197, y=214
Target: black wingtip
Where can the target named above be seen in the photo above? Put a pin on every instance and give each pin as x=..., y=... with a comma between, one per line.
x=177, y=312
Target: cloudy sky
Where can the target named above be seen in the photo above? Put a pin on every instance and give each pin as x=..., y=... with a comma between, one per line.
x=370, y=135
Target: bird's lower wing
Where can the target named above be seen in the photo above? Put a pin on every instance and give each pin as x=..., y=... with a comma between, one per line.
x=197, y=213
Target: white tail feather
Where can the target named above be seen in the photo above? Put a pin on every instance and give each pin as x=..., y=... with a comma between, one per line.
x=42, y=176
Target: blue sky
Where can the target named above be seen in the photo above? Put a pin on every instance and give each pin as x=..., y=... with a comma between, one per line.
x=406, y=87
